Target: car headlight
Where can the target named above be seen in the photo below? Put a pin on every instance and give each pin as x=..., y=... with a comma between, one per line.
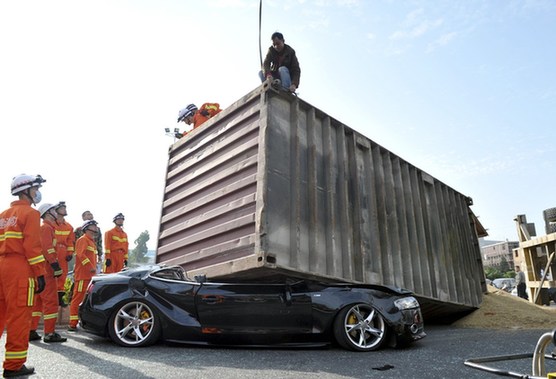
x=406, y=303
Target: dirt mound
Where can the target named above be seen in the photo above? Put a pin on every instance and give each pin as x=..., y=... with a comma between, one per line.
x=501, y=310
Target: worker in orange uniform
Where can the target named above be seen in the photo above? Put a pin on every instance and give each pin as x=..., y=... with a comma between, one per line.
x=46, y=303
x=22, y=271
x=192, y=115
x=65, y=242
x=85, y=268
x=115, y=246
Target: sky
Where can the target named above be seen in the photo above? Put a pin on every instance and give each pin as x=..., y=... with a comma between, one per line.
x=464, y=90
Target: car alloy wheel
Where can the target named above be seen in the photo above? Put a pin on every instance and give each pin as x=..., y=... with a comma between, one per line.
x=360, y=327
x=134, y=324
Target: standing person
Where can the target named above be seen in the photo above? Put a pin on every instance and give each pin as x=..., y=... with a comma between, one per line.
x=46, y=303
x=116, y=246
x=22, y=271
x=281, y=64
x=192, y=115
x=65, y=247
x=87, y=215
x=520, y=283
x=85, y=269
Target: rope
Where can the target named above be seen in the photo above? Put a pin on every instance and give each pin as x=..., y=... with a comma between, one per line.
x=260, y=22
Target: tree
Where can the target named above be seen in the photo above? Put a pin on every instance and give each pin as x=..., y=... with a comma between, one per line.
x=139, y=252
x=504, y=265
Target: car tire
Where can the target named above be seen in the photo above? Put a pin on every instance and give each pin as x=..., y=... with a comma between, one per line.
x=360, y=327
x=134, y=324
x=549, y=214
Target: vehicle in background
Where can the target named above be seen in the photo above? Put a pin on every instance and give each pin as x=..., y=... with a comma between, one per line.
x=506, y=284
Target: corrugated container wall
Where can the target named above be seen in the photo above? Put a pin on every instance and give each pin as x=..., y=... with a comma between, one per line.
x=274, y=186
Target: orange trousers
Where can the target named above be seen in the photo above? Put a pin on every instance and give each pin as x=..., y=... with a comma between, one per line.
x=116, y=260
x=79, y=289
x=46, y=304
x=17, y=286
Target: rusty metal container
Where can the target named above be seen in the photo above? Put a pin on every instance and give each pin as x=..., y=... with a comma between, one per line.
x=274, y=187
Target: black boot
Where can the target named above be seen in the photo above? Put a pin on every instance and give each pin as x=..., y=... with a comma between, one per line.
x=34, y=336
x=21, y=372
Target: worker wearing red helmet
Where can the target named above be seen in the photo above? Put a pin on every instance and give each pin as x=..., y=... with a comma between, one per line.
x=21, y=262
x=84, y=270
x=46, y=303
x=116, y=246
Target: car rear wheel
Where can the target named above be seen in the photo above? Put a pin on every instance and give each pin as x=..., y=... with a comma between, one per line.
x=360, y=327
x=134, y=324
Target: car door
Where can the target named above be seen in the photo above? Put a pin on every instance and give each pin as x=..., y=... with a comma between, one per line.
x=253, y=308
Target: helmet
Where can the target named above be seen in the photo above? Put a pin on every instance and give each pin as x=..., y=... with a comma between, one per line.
x=186, y=112
x=45, y=208
x=60, y=204
x=87, y=224
x=22, y=182
x=119, y=216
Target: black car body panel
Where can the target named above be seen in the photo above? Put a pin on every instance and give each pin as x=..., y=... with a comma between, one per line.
x=289, y=313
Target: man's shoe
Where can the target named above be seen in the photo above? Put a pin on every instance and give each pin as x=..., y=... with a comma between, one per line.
x=34, y=336
x=72, y=329
x=24, y=370
x=54, y=337
x=276, y=82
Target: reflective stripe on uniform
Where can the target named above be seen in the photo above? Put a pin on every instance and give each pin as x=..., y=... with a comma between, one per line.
x=50, y=316
x=35, y=260
x=16, y=354
x=31, y=292
x=10, y=234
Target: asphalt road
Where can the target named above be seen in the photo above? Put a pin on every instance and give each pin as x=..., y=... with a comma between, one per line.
x=440, y=355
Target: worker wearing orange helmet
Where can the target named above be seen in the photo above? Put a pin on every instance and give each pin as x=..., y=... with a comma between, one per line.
x=192, y=115
x=116, y=246
x=84, y=270
x=21, y=261
x=65, y=247
x=46, y=303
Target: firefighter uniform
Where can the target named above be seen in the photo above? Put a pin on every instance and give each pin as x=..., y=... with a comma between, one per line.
x=21, y=261
x=46, y=303
x=115, y=247
x=206, y=111
x=84, y=270
x=65, y=242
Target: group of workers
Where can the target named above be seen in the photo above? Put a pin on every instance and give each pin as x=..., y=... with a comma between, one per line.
x=34, y=263
x=35, y=257
x=280, y=67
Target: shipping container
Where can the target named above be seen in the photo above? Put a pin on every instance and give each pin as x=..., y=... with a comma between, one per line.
x=273, y=188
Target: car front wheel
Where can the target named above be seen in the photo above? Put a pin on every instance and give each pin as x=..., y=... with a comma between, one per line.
x=360, y=327
x=134, y=324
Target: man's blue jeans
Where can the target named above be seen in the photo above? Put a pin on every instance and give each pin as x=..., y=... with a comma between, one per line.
x=284, y=74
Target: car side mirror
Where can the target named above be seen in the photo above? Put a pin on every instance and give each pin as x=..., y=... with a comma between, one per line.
x=200, y=278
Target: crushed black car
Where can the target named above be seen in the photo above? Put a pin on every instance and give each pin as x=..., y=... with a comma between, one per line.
x=141, y=306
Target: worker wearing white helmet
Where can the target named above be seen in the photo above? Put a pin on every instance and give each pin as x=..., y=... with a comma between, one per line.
x=21, y=261
x=192, y=115
x=116, y=246
x=46, y=304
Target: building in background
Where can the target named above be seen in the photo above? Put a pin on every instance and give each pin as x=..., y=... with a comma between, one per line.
x=495, y=253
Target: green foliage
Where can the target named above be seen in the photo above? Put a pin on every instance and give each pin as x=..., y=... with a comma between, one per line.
x=492, y=273
x=504, y=265
x=139, y=252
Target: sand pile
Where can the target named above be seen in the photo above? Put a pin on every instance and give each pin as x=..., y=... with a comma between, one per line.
x=501, y=310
